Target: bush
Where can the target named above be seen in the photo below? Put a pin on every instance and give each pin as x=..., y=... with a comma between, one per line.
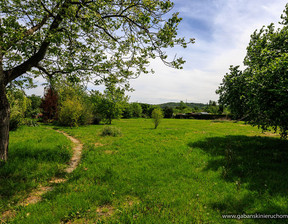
x=86, y=116
x=15, y=121
x=30, y=122
x=70, y=113
x=18, y=106
x=157, y=116
x=110, y=131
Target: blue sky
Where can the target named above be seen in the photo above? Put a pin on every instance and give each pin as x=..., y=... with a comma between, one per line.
x=222, y=30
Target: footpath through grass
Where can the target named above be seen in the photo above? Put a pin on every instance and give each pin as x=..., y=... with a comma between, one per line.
x=186, y=171
x=36, y=154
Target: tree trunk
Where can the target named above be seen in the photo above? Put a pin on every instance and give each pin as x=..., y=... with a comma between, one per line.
x=4, y=123
x=4, y=109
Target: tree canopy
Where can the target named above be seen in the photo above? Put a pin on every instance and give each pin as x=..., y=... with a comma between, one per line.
x=260, y=92
x=85, y=39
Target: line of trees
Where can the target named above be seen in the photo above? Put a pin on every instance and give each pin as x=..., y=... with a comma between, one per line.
x=70, y=104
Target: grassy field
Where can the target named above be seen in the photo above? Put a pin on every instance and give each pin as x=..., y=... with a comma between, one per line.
x=186, y=171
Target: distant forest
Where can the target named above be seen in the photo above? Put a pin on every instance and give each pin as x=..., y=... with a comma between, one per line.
x=174, y=105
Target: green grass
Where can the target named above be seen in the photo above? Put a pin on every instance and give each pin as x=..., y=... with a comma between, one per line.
x=36, y=154
x=186, y=171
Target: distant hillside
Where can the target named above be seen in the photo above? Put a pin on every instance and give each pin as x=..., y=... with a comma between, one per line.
x=174, y=105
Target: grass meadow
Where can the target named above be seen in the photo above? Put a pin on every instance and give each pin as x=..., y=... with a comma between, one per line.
x=185, y=171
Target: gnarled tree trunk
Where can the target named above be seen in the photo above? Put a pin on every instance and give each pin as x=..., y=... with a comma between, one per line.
x=4, y=122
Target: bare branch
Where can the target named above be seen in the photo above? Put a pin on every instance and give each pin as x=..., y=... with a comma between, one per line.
x=110, y=35
x=47, y=10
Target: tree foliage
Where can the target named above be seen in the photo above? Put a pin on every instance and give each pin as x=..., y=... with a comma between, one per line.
x=260, y=92
x=19, y=104
x=132, y=110
x=84, y=39
x=34, y=108
x=110, y=104
x=182, y=106
x=147, y=109
x=49, y=105
x=168, y=112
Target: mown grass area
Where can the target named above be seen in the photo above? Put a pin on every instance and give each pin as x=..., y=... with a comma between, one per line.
x=186, y=171
x=36, y=154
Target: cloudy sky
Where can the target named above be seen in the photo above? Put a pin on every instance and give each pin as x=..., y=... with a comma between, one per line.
x=222, y=30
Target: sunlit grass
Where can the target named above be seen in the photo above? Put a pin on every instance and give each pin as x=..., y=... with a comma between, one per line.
x=186, y=171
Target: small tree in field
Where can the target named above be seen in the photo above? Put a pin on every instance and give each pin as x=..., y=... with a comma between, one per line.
x=157, y=116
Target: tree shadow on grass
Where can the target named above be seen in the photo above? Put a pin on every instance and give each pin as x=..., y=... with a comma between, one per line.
x=261, y=163
x=26, y=167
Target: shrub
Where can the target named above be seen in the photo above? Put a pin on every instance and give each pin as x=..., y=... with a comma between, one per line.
x=34, y=108
x=15, y=121
x=157, y=116
x=18, y=106
x=30, y=122
x=70, y=113
x=110, y=131
x=86, y=116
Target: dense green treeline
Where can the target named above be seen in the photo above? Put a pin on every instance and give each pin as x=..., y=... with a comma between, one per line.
x=73, y=105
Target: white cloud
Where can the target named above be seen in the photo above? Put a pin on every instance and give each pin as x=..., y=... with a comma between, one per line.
x=39, y=90
x=224, y=29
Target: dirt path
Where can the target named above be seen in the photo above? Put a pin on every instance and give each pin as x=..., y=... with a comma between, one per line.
x=77, y=150
x=36, y=195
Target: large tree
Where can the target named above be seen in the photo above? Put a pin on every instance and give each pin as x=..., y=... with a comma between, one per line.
x=260, y=92
x=81, y=39
x=233, y=92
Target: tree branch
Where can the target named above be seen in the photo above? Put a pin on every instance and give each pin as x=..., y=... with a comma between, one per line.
x=50, y=75
x=110, y=35
x=19, y=70
x=28, y=32
x=44, y=7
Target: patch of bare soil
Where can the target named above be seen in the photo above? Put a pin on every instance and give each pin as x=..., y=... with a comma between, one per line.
x=271, y=134
x=106, y=210
x=77, y=150
x=97, y=144
x=7, y=215
x=35, y=196
x=110, y=152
